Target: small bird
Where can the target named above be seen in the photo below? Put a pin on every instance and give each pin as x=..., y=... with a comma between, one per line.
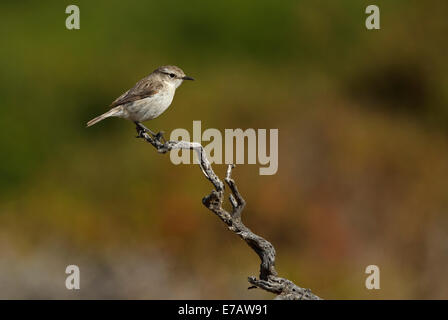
x=148, y=99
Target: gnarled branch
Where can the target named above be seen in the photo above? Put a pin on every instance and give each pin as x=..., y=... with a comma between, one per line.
x=268, y=279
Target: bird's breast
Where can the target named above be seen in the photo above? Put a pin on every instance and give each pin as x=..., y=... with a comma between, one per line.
x=150, y=107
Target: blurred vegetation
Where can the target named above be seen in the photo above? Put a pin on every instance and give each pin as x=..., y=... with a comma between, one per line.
x=363, y=163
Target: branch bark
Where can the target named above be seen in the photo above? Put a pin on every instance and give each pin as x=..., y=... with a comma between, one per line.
x=268, y=279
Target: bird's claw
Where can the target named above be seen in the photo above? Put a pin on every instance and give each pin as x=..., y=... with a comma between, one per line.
x=140, y=132
x=141, y=129
x=159, y=137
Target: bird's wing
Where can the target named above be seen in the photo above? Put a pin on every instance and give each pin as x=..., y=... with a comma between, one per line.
x=141, y=90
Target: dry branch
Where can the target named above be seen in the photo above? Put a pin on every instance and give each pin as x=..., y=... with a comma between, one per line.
x=268, y=279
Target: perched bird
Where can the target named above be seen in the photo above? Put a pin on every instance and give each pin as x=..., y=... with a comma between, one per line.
x=148, y=99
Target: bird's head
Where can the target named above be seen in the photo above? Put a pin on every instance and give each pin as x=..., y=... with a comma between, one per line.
x=172, y=74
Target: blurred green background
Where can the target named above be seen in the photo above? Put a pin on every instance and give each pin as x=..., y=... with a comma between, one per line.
x=363, y=159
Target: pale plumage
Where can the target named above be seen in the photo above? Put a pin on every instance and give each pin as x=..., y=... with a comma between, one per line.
x=149, y=98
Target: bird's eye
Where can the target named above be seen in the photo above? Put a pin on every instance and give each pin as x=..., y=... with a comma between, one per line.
x=172, y=75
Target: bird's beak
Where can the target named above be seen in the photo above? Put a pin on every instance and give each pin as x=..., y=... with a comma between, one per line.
x=187, y=78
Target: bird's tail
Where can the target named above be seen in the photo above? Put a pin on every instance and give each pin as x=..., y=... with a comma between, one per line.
x=115, y=112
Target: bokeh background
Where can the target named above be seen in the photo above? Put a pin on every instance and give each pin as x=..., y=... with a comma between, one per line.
x=363, y=158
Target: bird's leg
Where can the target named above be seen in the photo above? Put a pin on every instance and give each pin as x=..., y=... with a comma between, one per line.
x=141, y=128
x=159, y=136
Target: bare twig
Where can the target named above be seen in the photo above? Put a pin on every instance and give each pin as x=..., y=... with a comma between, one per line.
x=268, y=280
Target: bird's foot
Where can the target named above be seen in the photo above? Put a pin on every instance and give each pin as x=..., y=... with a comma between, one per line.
x=159, y=137
x=141, y=129
x=140, y=132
